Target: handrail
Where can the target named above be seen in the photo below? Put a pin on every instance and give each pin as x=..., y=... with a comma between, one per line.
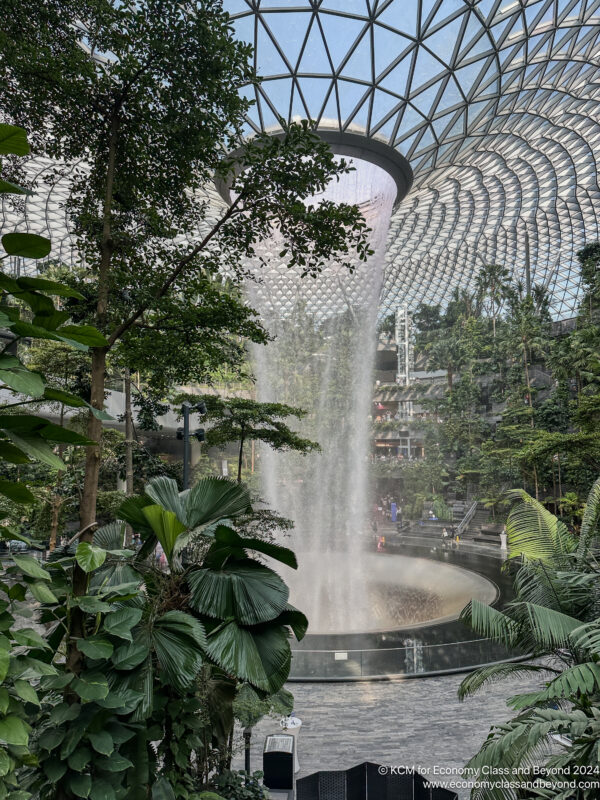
x=394, y=649
x=466, y=519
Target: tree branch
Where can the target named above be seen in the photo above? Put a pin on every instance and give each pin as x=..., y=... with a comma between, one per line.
x=181, y=265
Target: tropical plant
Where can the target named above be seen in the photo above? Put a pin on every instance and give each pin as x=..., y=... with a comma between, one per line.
x=216, y=608
x=237, y=419
x=554, y=618
x=27, y=311
x=150, y=708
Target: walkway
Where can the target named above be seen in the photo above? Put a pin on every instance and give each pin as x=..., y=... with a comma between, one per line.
x=418, y=721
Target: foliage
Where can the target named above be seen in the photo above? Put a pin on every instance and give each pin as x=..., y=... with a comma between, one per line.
x=249, y=708
x=241, y=786
x=151, y=707
x=148, y=108
x=554, y=618
x=237, y=419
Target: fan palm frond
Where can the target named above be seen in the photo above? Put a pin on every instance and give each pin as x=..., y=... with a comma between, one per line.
x=212, y=499
x=178, y=639
x=228, y=543
x=243, y=590
x=164, y=492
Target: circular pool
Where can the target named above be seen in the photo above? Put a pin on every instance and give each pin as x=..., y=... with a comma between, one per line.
x=396, y=613
x=377, y=592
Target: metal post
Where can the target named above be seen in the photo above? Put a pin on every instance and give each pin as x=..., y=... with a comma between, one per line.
x=186, y=445
x=247, y=737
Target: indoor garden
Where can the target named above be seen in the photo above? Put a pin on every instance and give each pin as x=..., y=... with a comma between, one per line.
x=300, y=389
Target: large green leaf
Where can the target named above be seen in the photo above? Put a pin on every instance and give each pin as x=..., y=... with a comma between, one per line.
x=80, y=758
x=536, y=534
x=165, y=493
x=178, y=640
x=91, y=686
x=131, y=655
x=162, y=790
x=42, y=592
x=15, y=491
x=590, y=531
x=54, y=769
x=89, y=557
x=14, y=731
x=83, y=334
x=239, y=652
x=95, y=647
x=166, y=527
x=482, y=677
x=28, y=637
x=35, y=447
x=6, y=187
x=551, y=629
x=102, y=742
x=275, y=653
x=26, y=245
x=4, y=665
x=490, y=623
x=13, y=140
x=245, y=590
x=30, y=566
x=72, y=400
x=131, y=511
x=64, y=712
x=228, y=543
x=294, y=619
x=49, y=287
x=22, y=380
x=80, y=785
x=12, y=454
x=102, y=790
x=120, y=622
x=111, y=536
x=212, y=499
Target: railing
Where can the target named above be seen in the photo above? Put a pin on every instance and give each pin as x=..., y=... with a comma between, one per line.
x=413, y=659
x=466, y=519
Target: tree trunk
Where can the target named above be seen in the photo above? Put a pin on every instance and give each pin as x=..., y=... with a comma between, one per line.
x=56, y=504
x=128, y=449
x=242, y=437
x=94, y=426
x=57, y=500
x=94, y=432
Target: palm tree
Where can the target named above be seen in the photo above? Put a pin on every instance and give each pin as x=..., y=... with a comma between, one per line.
x=554, y=619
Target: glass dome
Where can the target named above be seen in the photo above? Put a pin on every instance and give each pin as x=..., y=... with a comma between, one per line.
x=494, y=104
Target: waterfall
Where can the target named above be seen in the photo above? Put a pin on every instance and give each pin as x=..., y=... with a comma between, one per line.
x=322, y=360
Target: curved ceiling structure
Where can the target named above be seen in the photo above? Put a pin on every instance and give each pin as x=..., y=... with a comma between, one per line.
x=494, y=103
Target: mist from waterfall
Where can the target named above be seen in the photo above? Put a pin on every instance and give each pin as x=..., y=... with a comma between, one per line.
x=322, y=361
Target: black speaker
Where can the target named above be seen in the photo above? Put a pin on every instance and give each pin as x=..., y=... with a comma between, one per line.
x=278, y=762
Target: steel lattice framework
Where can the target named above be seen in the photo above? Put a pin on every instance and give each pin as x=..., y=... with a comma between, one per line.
x=494, y=103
